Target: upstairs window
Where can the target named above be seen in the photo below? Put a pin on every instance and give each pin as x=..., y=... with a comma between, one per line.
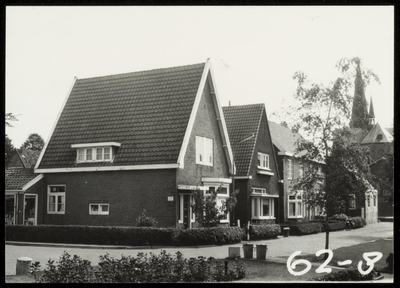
x=263, y=160
x=204, y=151
x=95, y=152
x=301, y=171
x=259, y=190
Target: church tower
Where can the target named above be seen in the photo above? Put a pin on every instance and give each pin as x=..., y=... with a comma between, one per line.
x=371, y=115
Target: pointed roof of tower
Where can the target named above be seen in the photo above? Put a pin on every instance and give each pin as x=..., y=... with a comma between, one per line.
x=371, y=109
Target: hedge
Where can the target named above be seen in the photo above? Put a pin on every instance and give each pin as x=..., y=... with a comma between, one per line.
x=264, y=231
x=350, y=274
x=358, y=222
x=204, y=236
x=303, y=228
x=132, y=236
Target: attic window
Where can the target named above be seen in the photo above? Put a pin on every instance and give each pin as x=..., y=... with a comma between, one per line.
x=95, y=152
x=379, y=137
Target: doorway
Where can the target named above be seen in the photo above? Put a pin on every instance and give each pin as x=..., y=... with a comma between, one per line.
x=30, y=209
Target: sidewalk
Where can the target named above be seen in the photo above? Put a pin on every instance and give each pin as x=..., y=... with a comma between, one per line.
x=278, y=249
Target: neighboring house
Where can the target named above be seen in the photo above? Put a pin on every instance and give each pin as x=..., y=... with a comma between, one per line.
x=256, y=167
x=23, y=189
x=380, y=144
x=134, y=141
x=290, y=167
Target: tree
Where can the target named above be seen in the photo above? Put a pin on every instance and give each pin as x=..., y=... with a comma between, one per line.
x=321, y=111
x=9, y=148
x=10, y=117
x=206, y=209
x=348, y=170
x=34, y=142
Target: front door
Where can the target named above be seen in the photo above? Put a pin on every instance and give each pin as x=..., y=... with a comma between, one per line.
x=186, y=211
x=30, y=209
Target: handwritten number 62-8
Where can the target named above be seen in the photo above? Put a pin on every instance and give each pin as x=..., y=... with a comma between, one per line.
x=323, y=269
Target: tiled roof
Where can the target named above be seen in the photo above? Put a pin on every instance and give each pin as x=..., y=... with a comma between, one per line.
x=357, y=134
x=241, y=122
x=283, y=138
x=147, y=112
x=390, y=130
x=17, y=177
x=29, y=157
x=372, y=136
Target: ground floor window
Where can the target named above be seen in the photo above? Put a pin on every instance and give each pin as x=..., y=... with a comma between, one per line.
x=56, y=199
x=295, y=205
x=10, y=209
x=262, y=208
x=352, y=202
x=99, y=209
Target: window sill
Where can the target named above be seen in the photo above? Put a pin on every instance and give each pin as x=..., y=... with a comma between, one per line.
x=264, y=168
x=265, y=172
x=60, y=213
x=263, y=218
x=204, y=164
x=264, y=195
x=295, y=217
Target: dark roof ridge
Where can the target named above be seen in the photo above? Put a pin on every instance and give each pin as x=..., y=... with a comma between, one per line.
x=141, y=71
x=245, y=105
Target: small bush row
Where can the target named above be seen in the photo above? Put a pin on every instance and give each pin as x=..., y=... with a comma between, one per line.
x=304, y=228
x=358, y=222
x=264, y=231
x=350, y=274
x=143, y=268
x=132, y=236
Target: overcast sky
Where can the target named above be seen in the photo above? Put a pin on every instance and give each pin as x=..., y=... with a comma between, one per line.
x=254, y=52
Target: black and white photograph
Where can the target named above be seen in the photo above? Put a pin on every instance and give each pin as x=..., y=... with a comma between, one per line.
x=177, y=144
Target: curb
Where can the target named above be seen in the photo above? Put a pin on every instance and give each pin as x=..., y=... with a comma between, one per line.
x=92, y=246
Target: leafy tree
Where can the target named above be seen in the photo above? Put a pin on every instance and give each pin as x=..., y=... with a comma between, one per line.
x=321, y=111
x=9, y=148
x=10, y=117
x=348, y=170
x=33, y=142
x=206, y=210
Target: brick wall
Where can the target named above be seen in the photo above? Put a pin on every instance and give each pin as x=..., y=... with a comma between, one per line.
x=205, y=125
x=126, y=192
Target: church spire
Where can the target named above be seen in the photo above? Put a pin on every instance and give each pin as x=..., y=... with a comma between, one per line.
x=359, y=112
x=371, y=114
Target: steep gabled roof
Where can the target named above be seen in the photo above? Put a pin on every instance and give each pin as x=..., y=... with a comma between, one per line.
x=283, y=138
x=28, y=157
x=147, y=112
x=372, y=136
x=17, y=177
x=243, y=124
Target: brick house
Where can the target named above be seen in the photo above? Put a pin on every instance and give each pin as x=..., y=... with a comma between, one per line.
x=290, y=167
x=257, y=172
x=23, y=189
x=134, y=141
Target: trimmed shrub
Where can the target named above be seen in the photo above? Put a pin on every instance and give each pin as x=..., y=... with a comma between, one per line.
x=334, y=226
x=304, y=228
x=350, y=274
x=341, y=217
x=204, y=236
x=131, y=236
x=264, y=231
x=358, y=222
x=145, y=221
x=143, y=268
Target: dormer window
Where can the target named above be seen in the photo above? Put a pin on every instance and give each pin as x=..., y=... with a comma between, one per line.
x=95, y=152
x=379, y=137
x=263, y=160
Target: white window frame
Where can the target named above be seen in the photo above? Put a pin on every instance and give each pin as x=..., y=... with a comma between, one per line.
x=260, y=191
x=290, y=169
x=257, y=207
x=263, y=161
x=204, y=151
x=83, y=152
x=14, y=195
x=220, y=197
x=55, y=194
x=100, y=209
x=296, y=201
x=36, y=208
x=352, y=198
x=301, y=170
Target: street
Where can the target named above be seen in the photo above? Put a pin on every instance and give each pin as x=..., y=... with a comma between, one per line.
x=279, y=249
